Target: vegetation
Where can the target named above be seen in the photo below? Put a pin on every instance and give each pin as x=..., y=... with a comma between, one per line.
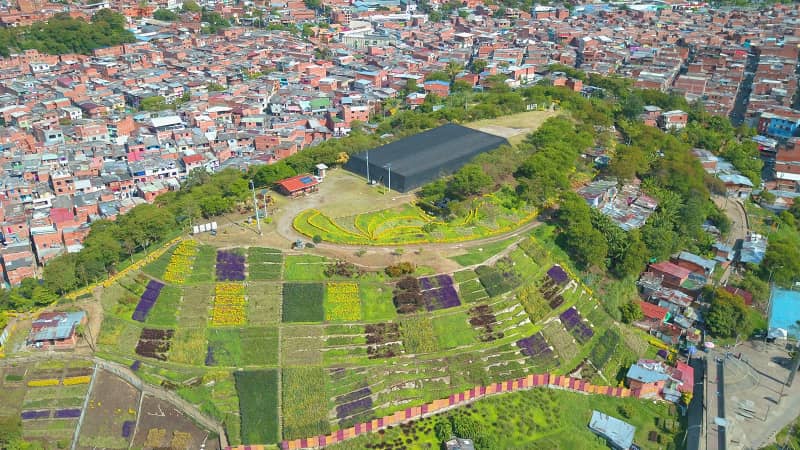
x=728, y=316
x=165, y=15
x=62, y=34
x=258, y=404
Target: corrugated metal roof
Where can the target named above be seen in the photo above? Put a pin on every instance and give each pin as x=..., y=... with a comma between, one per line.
x=55, y=326
x=618, y=432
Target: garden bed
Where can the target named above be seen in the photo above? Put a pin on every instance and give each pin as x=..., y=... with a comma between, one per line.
x=303, y=302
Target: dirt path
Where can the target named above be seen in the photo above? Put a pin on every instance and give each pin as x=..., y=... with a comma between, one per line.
x=739, y=224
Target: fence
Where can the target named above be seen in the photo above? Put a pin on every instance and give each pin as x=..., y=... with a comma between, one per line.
x=455, y=400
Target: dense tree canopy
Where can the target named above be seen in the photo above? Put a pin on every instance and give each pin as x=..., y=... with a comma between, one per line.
x=727, y=316
x=62, y=34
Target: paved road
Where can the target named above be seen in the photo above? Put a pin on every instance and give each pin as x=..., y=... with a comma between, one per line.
x=721, y=434
x=694, y=431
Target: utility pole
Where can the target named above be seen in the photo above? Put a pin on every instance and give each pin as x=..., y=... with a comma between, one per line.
x=388, y=166
x=255, y=206
x=368, y=180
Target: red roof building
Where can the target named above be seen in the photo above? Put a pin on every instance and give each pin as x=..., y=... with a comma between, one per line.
x=673, y=274
x=684, y=373
x=654, y=312
x=298, y=185
x=746, y=296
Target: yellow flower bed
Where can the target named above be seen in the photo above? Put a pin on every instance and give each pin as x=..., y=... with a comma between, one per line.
x=343, y=302
x=229, y=303
x=43, y=383
x=71, y=381
x=181, y=262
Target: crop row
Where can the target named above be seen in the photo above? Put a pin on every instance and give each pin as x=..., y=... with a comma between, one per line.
x=181, y=262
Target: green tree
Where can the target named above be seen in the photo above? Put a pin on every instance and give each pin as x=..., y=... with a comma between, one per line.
x=727, y=316
x=59, y=274
x=468, y=181
x=191, y=6
x=479, y=65
x=154, y=103
x=443, y=430
x=465, y=427
x=782, y=259
x=631, y=312
x=165, y=15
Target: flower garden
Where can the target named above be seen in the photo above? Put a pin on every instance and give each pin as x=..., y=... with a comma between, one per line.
x=353, y=345
x=180, y=262
x=408, y=224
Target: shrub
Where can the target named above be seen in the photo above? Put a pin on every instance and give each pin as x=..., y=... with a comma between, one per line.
x=310, y=245
x=625, y=410
x=399, y=269
x=443, y=430
x=464, y=427
x=317, y=239
x=342, y=269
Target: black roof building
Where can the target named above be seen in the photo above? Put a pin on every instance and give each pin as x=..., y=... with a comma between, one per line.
x=423, y=157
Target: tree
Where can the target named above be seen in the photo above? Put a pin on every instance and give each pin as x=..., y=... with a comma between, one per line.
x=465, y=427
x=191, y=6
x=469, y=180
x=631, y=312
x=443, y=430
x=59, y=274
x=727, y=316
x=479, y=65
x=782, y=260
x=453, y=69
x=165, y=15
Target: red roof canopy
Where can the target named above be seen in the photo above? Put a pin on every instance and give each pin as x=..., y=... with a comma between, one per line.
x=671, y=269
x=298, y=182
x=652, y=311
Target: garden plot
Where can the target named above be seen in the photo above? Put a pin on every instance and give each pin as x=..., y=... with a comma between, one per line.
x=304, y=405
x=230, y=304
x=418, y=334
x=303, y=302
x=258, y=405
x=562, y=342
x=264, y=264
x=301, y=345
x=161, y=425
x=217, y=397
x=230, y=265
x=485, y=323
x=118, y=336
x=453, y=330
x=203, y=266
x=500, y=278
x=576, y=325
x=113, y=403
x=154, y=343
x=164, y=312
x=147, y=300
x=537, y=349
x=345, y=344
x=472, y=291
x=383, y=340
x=242, y=347
x=181, y=262
x=438, y=292
x=376, y=301
x=194, y=309
x=342, y=302
x=353, y=407
x=187, y=346
x=157, y=268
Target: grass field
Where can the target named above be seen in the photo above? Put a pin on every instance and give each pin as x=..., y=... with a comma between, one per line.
x=513, y=127
x=164, y=313
x=304, y=268
x=305, y=407
x=303, y=302
x=239, y=347
x=156, y=268
x=196, y=305
x=301, y=345
x=258, y=405
x=477, y=255
x=453, y=330
x=264, y=303
x=376, y=302
x=203, y=267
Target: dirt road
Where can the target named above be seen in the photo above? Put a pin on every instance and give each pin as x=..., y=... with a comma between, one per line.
x=739, y=224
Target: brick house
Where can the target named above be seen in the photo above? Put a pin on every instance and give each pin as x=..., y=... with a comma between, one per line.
x=56, y=330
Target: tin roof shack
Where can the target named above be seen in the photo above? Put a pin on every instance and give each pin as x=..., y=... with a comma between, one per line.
x=298, y=185
x=627, y=207
x=753, y=249
x=56, y=330
x=696, y=264
x=619, y=434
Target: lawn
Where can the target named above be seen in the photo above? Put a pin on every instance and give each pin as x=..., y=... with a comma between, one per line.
x=453, y=330
x=304, y=268
x=237, y=347
x=164, y=312
x=203, y=266
x=303, y=302
x=196, y=304
x=477, y=255
x=156, y=268
x=305, y=406
x=376, y=302
x=264, y=264
x=258, y=405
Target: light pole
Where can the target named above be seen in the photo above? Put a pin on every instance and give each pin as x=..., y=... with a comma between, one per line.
x=255, y=206
x=368, y=181
x=388, y=166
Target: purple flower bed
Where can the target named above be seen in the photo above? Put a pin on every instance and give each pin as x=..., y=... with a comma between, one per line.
x=230, y=266
x=33, y=415
x=662, y=354
x=349, y=409
x=71, y=413
x=127, y=428
x=572, y=321
x=426, y=283
x=441, y=298
x=355, y=395
x=135, y=366
x=557, y=274
x=147, y=300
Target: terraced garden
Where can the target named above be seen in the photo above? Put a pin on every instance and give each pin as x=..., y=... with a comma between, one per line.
x=283, y=346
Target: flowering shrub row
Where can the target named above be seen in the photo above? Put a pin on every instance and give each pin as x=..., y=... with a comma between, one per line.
x=181, y=262
x=43, y=383
x=229, y=304
x=71, y=381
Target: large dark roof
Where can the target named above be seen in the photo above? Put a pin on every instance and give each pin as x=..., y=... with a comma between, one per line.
x=420, y=158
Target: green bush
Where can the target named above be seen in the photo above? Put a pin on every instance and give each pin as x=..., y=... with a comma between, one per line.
x=317, y=239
